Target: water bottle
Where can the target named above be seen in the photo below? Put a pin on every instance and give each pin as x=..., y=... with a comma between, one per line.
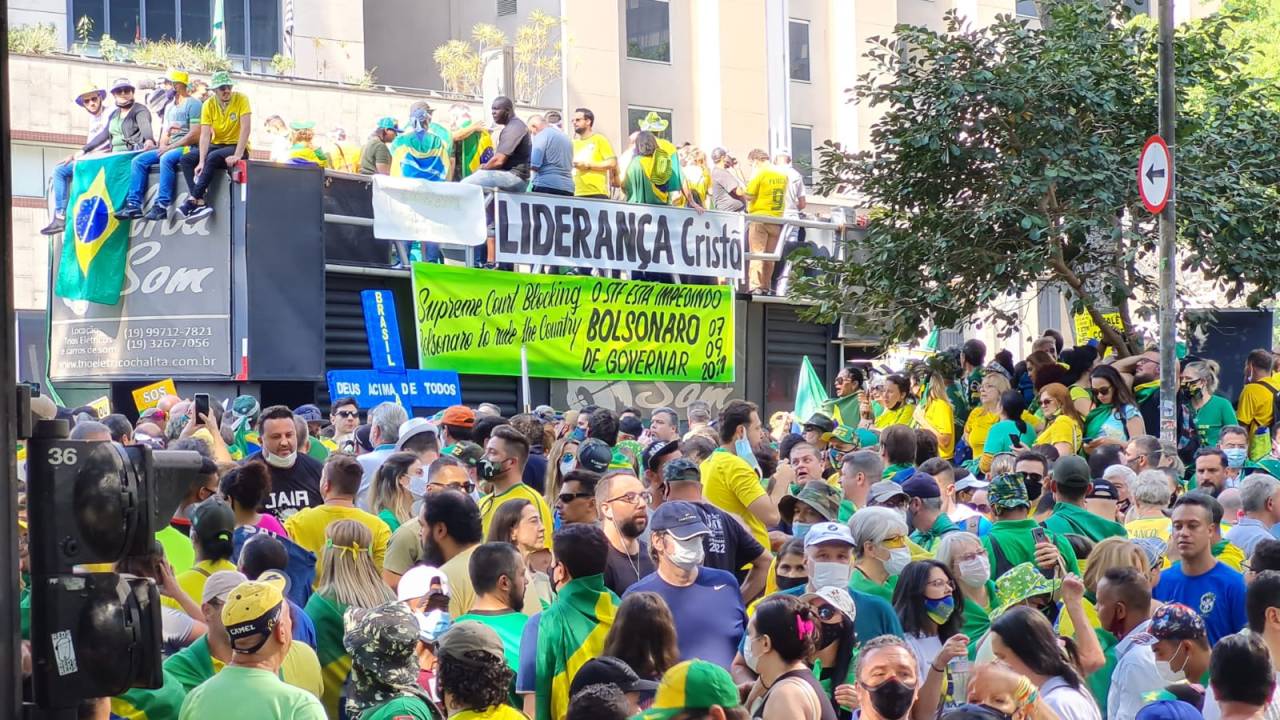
x=959, y=669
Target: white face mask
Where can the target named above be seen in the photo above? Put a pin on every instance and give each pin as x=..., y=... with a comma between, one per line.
x=830, y=574
x=280, y=461
x=898, y=560
x=749, y=656
x=1166, y=672
x=418, y=484
x=685, y=554
x=975, y=572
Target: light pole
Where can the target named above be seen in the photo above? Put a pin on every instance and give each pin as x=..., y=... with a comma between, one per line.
x=1168, y=230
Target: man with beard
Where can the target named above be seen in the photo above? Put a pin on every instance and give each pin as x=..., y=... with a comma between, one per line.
x=1211, y=470
x=1142, y=453
x=450, y=534
x=498, y=577
x=624, y=506
x=295, y=478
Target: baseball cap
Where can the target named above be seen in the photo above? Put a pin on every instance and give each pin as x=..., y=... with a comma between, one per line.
x=309, y=413
x=1154, y=547
x=594, y=455
x=470, y=636
x=381, y=641
x=1008, y=491
x=829, y=532
x=219, y=79
x=1173, y=621
x=1168, y=710
x=836, y=597
x=681, y=470
x=213, y=521
x=468, y=452
x=546, y=413
x=691, y=685
x=414, y=426
x=817, y=494
x=1103, y=490
x=220, y=584
x=1071, y=471
x=655, y=450
x=459, y=416
x=682, y=519
x=251, y=611
x=921, y=485
x=388, y=123
x=971, y=482
x=417, y=582
x=974, y=712
x=363, y=438
x=820, y=421
x=884, y=491
x=609, y=670
x=844, y=435
x=631, y=425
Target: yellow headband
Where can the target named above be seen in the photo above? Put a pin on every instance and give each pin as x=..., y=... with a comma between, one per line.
x=353, y=548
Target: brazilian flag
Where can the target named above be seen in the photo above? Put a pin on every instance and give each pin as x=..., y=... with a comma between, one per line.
x=95, y=244
x=570, y=632
x=420, y=155
x=477, y=149
x=335, y=663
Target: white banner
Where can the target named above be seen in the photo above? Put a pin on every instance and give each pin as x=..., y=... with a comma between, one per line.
x=575, y=232
x=421, y=210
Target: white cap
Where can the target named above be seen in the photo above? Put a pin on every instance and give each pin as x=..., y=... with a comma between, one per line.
x=418, y=581
x=220, y=584
x=836, y=597
x=829, y=532
x=414, y=426
x=971, y=483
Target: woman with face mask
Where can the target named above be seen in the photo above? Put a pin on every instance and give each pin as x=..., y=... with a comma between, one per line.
x=781, y=639
x=1025, y=641
x=967, y=560
x=837, y=647
x=931, y=606
x=880, y=552
x=788, y=568
x=1212, y=411
x=399, y=479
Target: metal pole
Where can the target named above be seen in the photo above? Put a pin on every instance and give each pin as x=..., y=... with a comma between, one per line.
x=10, y=666
x=1168, y=229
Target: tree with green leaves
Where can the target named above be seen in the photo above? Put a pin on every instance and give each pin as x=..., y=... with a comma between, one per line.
x=1005, y=161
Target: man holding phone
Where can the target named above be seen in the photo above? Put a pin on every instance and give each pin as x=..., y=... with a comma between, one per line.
x=1016, y=538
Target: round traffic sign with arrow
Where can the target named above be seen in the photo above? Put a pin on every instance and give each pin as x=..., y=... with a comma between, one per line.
x=1155, y=174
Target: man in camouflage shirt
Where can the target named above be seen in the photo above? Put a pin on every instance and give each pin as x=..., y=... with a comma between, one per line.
x=383, y=644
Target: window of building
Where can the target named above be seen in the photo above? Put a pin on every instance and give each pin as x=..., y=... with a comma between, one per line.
x=252, y=26
x=1027, y=8
x=802, y=151
x=649, y=30
x=506, y=7
x=799, y=49
x=635, y=113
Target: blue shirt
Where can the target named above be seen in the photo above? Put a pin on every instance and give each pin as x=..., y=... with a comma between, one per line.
x=874, y=617
x=1217, y=595
x=527, y=672
x=552, y=158
x=304, y=630
x=184, y=116
x=710, y=618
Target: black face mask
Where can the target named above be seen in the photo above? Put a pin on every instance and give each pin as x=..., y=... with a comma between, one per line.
x=831, y=632
x=892, y=698
x=786, y=583
x=1035, y=486
x=489, y=470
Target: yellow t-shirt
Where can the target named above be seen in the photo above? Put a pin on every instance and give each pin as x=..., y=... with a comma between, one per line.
x=1253, y=411
x=1062, y=429
x=493, y=712
x=489, y=505
x=901, y=416
x=767, y=191
x=192, y=581
x=1149, y=528
x=977, y=427
x=225, y=121
x=732, y=485
x=595, y=149
x=307, y=527
x=942, y=418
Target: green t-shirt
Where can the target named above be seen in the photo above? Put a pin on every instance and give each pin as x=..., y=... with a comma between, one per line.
x=1068, y=518
x=1014, y=537
x=999, y=437
x=397, y=708
x=863, y=584
x=250, y=694
x=116, y=130
x=388, y=517
x=508, y=625
x=1210, y=419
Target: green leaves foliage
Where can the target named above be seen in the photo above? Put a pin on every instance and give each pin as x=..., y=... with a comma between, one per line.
x=1006, y=158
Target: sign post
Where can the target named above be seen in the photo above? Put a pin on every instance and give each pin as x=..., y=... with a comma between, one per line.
x=1150, y=173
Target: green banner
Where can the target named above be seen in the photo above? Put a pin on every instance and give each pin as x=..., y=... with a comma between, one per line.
x=475, y=321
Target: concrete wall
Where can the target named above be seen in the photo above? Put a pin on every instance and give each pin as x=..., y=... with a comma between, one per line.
x=400, y=36
x=329, y=40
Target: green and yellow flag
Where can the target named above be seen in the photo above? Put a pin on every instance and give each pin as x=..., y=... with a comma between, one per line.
x=335, y=663
x=570, y=633
x=95, y=244
x=477, y=148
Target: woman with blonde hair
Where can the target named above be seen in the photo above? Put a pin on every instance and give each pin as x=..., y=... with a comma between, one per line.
x=1212, y=411
x=985, y=416
x=1111, y=552
x=348, y=578
x=996, y=685
x=562, y=459
x=1064, y=428
x=935, y=415
x=391, y=495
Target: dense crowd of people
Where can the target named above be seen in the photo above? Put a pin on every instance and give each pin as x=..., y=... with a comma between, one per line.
x=964, y=539
x=203, y=127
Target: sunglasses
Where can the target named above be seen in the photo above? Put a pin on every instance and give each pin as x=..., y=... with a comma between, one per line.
x=567, y=498
x=347, y=414
x=1033, y=477
x=826, y=613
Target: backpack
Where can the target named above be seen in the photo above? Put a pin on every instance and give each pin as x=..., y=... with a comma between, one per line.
x=301, y=568
x=1275, y=404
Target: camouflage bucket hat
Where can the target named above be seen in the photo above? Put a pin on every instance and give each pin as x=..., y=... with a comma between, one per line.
x=817, y=494
x=1008, y=491
x=1020, y=584
x=381, y=642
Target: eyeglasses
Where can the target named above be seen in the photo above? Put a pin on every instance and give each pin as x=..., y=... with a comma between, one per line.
x=1046, y=400
x=634, y=498
x=347, y=414
x=466, y=487
x=567, y=497
x=940, y=585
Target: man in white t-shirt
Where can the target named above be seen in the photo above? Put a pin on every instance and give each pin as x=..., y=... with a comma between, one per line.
x=793, y=236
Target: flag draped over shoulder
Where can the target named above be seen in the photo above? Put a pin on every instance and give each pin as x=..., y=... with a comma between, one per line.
x=570, y=633
x=420, y=155
x=95, y=244
x=160, y=704
x=477, y=149
x=335, y=663
x=810, y=392
x=247, y=441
